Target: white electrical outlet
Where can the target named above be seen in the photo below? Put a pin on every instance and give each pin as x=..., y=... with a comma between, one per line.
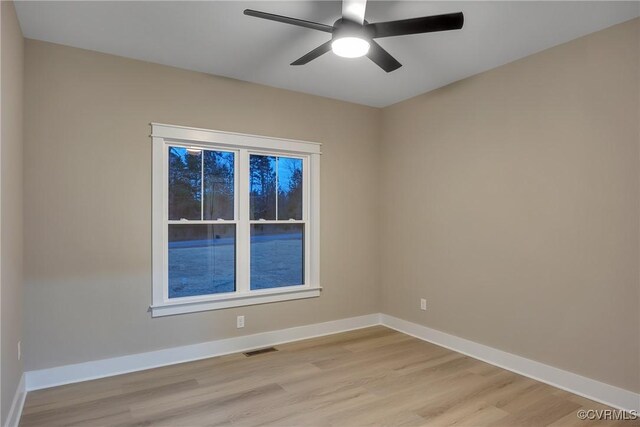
x=423, y=304
x=19, y=350
x=240, y=322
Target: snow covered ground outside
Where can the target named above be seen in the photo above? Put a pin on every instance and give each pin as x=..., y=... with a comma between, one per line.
x=203, y=267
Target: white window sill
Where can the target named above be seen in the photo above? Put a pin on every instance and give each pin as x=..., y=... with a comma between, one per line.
x=185, y=305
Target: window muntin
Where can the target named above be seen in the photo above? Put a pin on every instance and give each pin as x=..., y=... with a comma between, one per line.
x=276, y=187
x=224, y=192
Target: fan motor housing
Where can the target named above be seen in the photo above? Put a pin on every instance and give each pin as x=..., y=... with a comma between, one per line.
x=346, y=28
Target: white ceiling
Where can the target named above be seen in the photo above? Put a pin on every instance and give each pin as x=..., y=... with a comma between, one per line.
x=216, y=38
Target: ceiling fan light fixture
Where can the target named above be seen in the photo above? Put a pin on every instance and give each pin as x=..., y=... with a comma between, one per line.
x=350, y=47
x=352, y=36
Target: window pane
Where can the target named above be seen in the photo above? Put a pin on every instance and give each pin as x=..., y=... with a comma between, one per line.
x=289, y=188
x=184, y=183
x=202, y=259
x=277, y=255
x=263, y=187
x=218, y=185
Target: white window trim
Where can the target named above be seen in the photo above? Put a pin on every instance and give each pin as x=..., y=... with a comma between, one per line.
x=164, y=135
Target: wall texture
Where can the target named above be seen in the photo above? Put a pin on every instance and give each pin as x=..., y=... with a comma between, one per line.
x=511, y=205
x=88, y=201
x=11, y=85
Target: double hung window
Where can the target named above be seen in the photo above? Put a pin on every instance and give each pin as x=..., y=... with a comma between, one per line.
x=235, y=219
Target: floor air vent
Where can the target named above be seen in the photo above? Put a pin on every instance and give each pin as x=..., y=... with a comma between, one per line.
x=260, y=351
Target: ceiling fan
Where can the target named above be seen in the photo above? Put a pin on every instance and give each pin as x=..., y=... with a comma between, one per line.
x=352, y=36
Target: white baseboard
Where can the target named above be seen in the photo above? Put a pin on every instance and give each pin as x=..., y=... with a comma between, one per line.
x=51, y=377
x=13, y=418
x=574, y=383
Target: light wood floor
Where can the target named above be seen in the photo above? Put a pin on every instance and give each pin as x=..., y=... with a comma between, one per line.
x=372, y=376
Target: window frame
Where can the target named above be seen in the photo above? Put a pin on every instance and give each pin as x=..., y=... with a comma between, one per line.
x=243, y=145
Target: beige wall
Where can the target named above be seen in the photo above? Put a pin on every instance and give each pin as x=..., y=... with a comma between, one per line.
x=88, y=201
x=511, y=205
x=11, y=47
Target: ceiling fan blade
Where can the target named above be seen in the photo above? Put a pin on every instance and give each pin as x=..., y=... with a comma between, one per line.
x=288, y=20
x=353, y=10
x=425, y=24
x=382, y=58
x=315, y=53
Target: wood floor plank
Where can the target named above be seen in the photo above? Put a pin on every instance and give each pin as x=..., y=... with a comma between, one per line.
x=476, y=413
x=541, y=412
x=369, y=377
x=309, y=407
